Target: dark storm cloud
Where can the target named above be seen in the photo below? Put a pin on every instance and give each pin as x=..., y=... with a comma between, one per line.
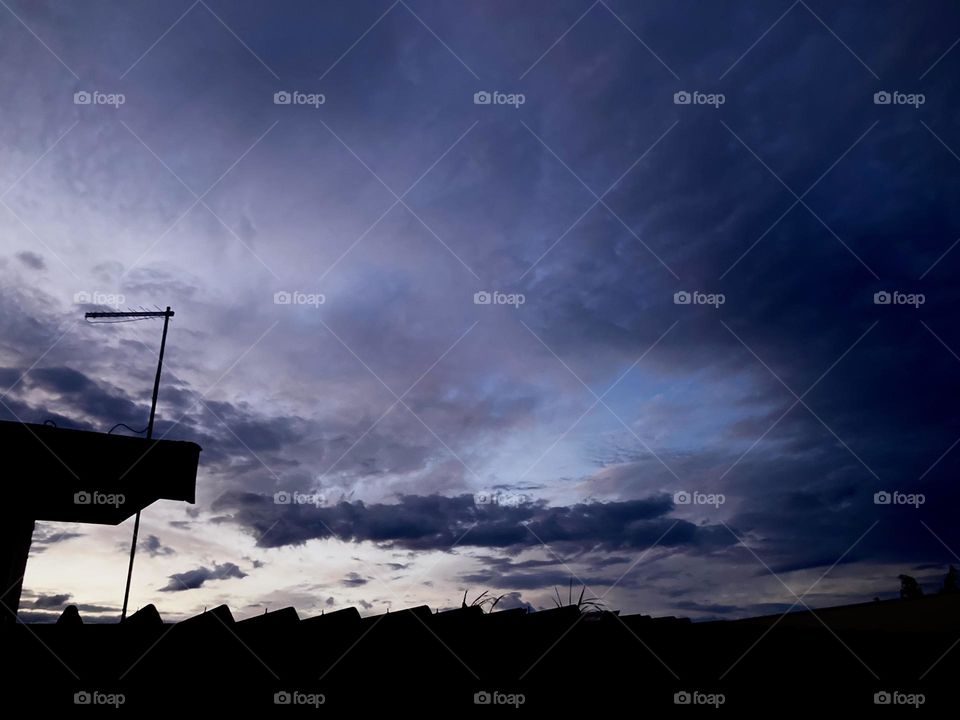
x=97, y=403
x=396, y=567
x=554, y=571
x=32, y=260
x=193, y=579
x=439, y=523
x=154, y=547
x=45, y=535
x=712, y=608
x=798, y=299
x=8, y=377
x=534, y=580
x=803, y=502
x=100, y=609
x=802, y=300
x=256, y=433
x=30, y=616
x=91, y=614
x=51, y=601
x=353, y=580
x=62, y=379
x=224, y=430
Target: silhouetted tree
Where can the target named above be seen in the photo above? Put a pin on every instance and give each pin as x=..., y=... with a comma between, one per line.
x=950, y=584
x=909, y=587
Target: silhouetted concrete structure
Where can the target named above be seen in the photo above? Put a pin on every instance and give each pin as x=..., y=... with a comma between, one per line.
x=841, y=657
x=66, y=475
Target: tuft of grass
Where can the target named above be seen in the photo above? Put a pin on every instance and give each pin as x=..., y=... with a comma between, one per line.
x=482, y=599
x=588, y=605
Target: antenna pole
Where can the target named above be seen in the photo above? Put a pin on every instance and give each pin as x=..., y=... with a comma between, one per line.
x=156, y=382
x=166, y=315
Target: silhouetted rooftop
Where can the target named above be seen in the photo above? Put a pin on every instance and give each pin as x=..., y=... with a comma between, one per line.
x=67, y=475
x=558, y=658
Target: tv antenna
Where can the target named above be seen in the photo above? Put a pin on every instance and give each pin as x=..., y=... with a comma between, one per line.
x=133, y=316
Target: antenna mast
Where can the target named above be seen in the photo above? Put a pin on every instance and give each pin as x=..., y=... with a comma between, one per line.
x=131, y=315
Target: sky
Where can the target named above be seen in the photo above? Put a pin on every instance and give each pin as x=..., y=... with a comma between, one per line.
x=654, y=298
